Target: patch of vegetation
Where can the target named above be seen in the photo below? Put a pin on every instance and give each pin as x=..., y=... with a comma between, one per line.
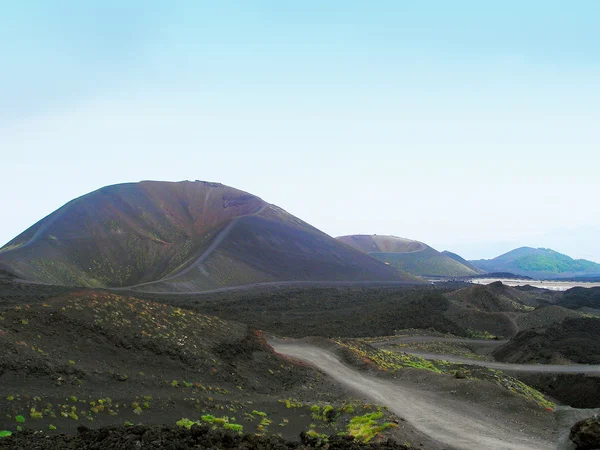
x=475, y=334
x=442, y=348
x=366, y=427
x=389, y=361
x=225, y=423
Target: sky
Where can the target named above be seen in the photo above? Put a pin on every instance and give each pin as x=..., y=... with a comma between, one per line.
x=471, y=126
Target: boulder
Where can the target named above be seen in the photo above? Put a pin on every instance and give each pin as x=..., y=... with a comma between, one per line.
x=585, y=434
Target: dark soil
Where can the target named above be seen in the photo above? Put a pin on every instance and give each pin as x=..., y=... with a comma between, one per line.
x=328, y=312
x=578, y=297
x=176, y=438
x=103, y=359
x=578, y=391
x=13, y=293
x=155, y=360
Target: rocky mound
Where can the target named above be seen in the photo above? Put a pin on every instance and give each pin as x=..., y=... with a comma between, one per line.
x=578, y=297
x=184, y=236
x=585, y=434
x=494, y=297
x=573, y=340
x=108, y=359
x=576, y=390
x=543, y=317
x=409, y=256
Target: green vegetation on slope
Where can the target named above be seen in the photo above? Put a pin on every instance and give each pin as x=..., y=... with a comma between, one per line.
x=539, y=262
x=555, y=262
x=392, y=362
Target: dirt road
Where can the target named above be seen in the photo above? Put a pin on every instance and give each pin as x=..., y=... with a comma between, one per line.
x=455, y=422
x=530, y=368
x=406, y=339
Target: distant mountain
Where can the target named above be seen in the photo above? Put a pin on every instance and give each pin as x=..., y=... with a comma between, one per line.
x=463, y=261
x=539, y=263
x=184, y=236
x=407, y=255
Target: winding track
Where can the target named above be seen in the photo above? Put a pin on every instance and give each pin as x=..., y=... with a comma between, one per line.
x=211, y=248
x=529, y=368
x=405, y=339
x=276, y=284
x=452, y=422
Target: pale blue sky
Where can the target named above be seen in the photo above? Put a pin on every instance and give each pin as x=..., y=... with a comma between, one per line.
x=471, y=126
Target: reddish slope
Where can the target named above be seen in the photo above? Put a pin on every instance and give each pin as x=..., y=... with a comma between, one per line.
x=136, y=233
x=382, y=244
x=407, y=255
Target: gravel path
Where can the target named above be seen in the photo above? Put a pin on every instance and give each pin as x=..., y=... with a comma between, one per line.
x=530, y=368
x=453, y=422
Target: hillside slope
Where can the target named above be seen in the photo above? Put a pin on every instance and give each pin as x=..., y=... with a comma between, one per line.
x=572, y=340
x=96, y=359
x=539, y=263
x=407, y=255
x=494, y=297
x=581, y=298
x=463, y=261
x=197, y=235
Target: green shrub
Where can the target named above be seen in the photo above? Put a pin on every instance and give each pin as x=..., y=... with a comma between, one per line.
x=186, y=423
x=365, y=428
x=209, y=418
x=233, y=427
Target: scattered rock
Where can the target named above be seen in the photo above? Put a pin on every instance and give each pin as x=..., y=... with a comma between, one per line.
x=586, y=433
x=198, y=437
x=460, y=374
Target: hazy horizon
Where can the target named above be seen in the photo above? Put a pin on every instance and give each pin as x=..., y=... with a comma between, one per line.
x=471, y=127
